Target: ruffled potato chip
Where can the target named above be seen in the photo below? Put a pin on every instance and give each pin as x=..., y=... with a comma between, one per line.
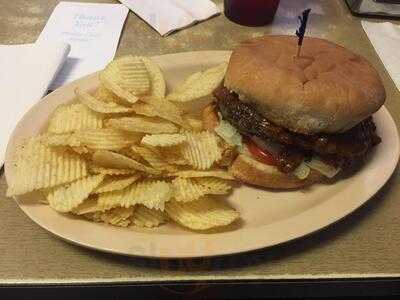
x=114, y=160
x=104, y=95
x=71, y=117
x=67, y=197
x=201, y=149
x=163, y=140
x=127, y=77
x=223, y=174
x=166, y=110
x=62, y=139
x=152, y=194
x=94, y=169
x=154, y=158
x=187, y=189
x=144, y=109
x=201, y=214
x=215, y=186
x=145, y=217
x=100, y=106
x=129, y=73
x=142, y=125
x=115, y=183
x=93, y=216
x=119, y=216
x=199, y=85
x=105, y=138
x=83, y=150
x=157, y=82
x=108, y=81
x=37, y=166
x=173, y=155
x=194, y=123
x=89, y=205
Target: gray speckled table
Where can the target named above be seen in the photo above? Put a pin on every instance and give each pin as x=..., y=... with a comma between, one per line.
x=365, y=244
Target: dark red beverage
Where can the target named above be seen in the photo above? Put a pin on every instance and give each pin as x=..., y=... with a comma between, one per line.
x=250, y=12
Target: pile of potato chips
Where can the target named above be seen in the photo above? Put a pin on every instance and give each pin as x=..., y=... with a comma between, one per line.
x=127, y=154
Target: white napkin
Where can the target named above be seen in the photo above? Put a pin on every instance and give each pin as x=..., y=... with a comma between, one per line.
x=26, y=72
x=167, y=16
x=385, y=37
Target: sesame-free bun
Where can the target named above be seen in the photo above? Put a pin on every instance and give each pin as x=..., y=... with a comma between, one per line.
x=328, y=89
x=249, y=170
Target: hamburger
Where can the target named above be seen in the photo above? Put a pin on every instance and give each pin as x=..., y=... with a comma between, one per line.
x=296, y=120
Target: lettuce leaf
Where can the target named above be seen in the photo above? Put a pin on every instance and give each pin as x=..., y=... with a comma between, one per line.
x=229, y=134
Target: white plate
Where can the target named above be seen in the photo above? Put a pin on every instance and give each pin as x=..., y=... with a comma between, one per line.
x=268, y=218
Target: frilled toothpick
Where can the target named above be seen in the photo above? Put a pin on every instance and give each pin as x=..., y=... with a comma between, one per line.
x=302, y=29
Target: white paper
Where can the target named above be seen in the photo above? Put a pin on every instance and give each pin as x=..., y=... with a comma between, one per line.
x=385, y=37
x=167, y=16
x=92, y=30
x=26, y=72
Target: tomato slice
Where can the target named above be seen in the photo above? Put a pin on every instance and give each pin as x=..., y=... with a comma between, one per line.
x=261, y=155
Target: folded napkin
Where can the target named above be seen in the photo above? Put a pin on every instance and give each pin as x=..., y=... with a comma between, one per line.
x=167, y=16
x=26, y=72
x=385, y=37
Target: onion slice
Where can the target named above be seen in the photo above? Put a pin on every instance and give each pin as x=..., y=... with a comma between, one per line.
x=317, y=164
x=302, y=171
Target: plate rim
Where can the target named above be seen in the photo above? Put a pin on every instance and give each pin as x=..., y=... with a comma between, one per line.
x=253, y=247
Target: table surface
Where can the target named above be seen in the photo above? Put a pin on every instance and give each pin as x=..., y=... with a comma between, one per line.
x=365, y=244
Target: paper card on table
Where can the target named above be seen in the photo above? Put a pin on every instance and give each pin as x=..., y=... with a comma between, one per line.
x=92, y=30
x=385, y=37
x=167, y=16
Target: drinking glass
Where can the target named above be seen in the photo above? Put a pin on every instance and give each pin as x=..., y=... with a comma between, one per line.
x=251, y=12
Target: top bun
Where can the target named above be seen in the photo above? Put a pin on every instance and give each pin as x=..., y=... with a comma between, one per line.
x=328, y=89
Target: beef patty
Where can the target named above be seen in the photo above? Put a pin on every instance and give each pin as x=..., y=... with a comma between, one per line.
x=341, y=149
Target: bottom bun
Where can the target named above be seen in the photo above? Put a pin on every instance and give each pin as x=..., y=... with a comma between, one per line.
x=248, y=170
